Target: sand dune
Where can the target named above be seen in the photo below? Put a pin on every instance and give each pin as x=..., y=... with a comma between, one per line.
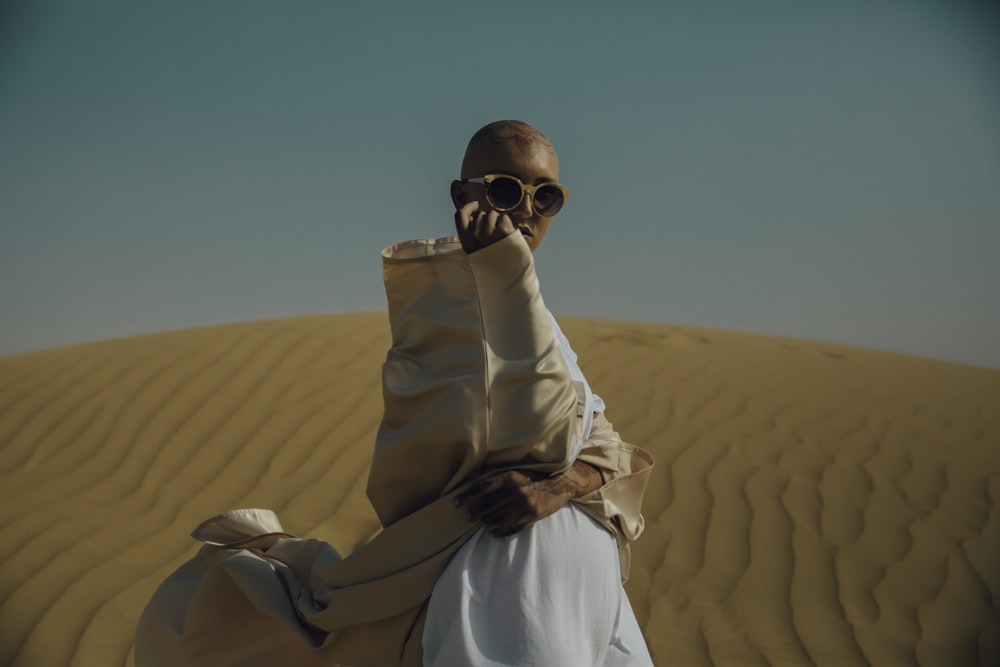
x=812, y=504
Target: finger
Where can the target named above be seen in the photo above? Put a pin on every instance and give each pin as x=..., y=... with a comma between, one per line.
x=465, y=215
x=509, y=528
x=493, y=483
x=505, y=227
x=467, y=496
x=512, y=515
x=507, y=501
x=489, y=505
x=485, y=228
x=491, y=499
x=465, y=219
x=477, y=491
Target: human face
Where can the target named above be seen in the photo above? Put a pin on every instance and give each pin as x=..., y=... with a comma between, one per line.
x=532, y=165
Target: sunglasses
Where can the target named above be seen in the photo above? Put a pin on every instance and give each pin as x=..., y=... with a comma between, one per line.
x=505, y=193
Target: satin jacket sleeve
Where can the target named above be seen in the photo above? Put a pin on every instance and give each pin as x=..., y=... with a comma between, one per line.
x=617, y=504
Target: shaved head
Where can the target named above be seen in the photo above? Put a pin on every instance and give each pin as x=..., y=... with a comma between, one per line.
x=500, y=139
x=510, y=148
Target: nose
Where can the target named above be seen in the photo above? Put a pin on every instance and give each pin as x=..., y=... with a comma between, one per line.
x=525, y=208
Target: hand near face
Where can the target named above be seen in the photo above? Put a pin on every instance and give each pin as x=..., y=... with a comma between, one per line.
x=510, y=501
x=478, y=229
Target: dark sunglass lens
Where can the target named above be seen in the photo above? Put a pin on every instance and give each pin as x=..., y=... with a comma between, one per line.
x=548, y=200
x=505, y=193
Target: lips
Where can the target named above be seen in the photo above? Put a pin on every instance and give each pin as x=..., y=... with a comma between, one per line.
x=525, y=231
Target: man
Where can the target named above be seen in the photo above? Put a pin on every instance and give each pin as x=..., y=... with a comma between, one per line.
x=507, y=501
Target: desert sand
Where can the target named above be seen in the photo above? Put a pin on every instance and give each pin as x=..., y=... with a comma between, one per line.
x=812, y=504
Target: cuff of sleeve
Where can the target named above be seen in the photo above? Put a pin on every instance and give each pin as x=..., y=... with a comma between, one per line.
x=618, y=503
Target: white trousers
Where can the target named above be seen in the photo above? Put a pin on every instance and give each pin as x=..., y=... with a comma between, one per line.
x=549, y=596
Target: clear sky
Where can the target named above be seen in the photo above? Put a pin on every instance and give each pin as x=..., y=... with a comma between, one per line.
x=826, y=170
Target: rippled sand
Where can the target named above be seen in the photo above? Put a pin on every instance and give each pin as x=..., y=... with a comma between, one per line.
x=812, y=504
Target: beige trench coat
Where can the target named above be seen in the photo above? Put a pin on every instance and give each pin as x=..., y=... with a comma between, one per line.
x=475, y=382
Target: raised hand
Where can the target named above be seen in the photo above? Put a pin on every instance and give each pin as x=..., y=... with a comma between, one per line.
x=478, y=229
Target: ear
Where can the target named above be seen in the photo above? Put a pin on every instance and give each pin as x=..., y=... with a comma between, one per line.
x=458, y=196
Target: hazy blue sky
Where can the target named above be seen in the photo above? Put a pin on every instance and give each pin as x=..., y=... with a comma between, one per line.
x=825, y=170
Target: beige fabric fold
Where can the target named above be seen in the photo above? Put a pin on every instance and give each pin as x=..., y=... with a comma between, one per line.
x=617, y=504
x=474, y=382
